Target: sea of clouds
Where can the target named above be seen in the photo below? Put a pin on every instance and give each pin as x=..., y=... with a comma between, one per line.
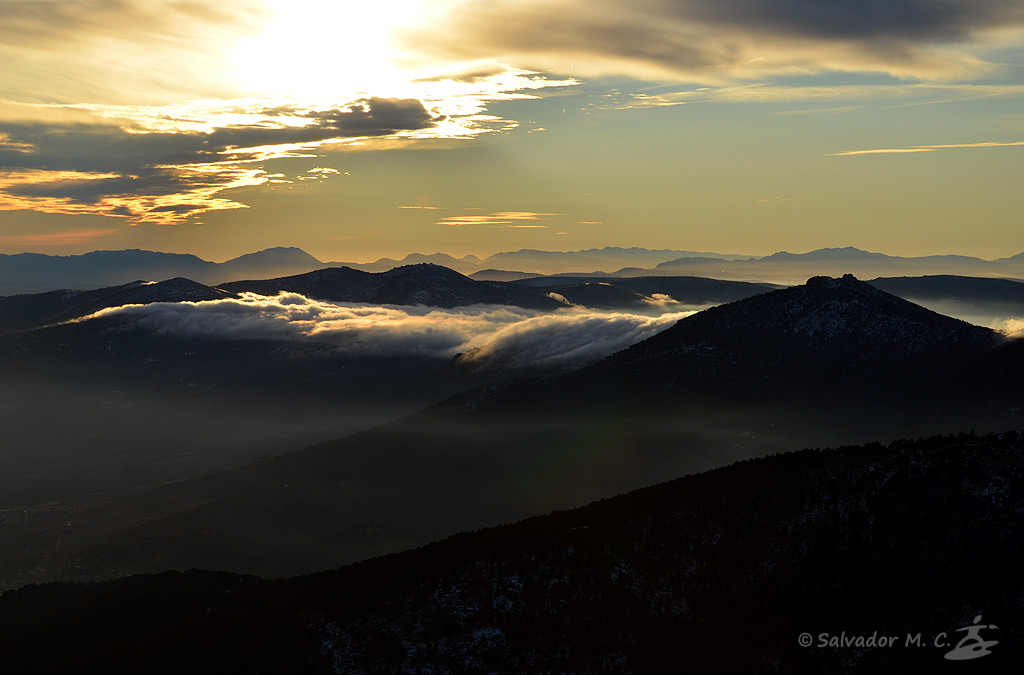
x=507, y=335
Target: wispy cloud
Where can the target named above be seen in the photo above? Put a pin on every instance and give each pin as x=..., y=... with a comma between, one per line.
x=510, y=219
x=927, y=148
x=504, y=335
x=118, y=51
x=899, y=93
x=618, y=100
x=56, y=238
x=838, y=110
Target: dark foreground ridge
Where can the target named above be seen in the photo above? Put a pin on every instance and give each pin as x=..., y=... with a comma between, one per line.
x=720, y=572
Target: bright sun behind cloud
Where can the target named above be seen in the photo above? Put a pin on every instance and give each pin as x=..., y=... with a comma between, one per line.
x=326, y=48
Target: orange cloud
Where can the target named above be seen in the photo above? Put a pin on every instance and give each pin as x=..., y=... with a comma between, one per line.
x=67, y=238
x=509, y=219
x=927, y=148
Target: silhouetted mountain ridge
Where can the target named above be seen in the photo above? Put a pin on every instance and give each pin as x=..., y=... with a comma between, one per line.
x=421, y=284
x=982, y=291
x=830, y=339
x=825, y=332
x=844, y=253
x=25, y=312
x=721, y=572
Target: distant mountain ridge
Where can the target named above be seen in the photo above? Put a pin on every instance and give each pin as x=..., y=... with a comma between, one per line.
x=34, y=272
x=785, y=267
x=845, y=253
x=26, y=272
x=421, y=284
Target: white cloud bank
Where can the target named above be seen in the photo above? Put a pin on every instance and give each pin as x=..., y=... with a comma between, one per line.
x=512, y=336
x=1013, y=326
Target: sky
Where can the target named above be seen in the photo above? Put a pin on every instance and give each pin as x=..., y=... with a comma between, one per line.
x=361, y=130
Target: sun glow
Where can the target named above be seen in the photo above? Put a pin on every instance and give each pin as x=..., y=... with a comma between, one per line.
x=325, y=49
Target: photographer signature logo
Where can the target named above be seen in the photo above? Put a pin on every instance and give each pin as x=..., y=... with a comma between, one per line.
x=972, y=646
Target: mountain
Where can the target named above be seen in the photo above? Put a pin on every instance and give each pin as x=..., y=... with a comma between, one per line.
x=825, y=333
x=604, y=259
x=422, y=284
x=979, y=300
x=270, y=262
x=464, y=265
x=845, y=253
x=102, y=268
x=833, y=362
x=26, y=312
x=951, y=287
x=722, y=572
x=500, y=275
x=34, y=272
x=139, y=398
x=641, y=292
x=495, y=267
x=785, y=267
x=31, y=272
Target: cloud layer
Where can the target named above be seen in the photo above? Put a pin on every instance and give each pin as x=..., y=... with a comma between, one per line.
x=164, y=176
x=714, y=41
x=503, y=335
x=152, y=110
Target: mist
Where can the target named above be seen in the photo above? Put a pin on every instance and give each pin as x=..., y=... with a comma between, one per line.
x=519, y=337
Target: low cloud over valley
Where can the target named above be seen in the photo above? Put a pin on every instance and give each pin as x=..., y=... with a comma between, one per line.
x=507, y=335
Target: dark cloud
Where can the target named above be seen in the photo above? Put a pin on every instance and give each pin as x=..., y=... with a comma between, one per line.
x=177, y=208
x=130, y=164
x=146, y=182
x=724, y=38
x=928, y=20
x=82, y=147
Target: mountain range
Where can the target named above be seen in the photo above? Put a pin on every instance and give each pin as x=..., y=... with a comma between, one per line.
x=293, y=422
x=833, y=361
x=785, y=267
x=33, y=272
x=421, y=284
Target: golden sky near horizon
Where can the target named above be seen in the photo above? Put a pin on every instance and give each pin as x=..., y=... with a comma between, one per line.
x=362, y=130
